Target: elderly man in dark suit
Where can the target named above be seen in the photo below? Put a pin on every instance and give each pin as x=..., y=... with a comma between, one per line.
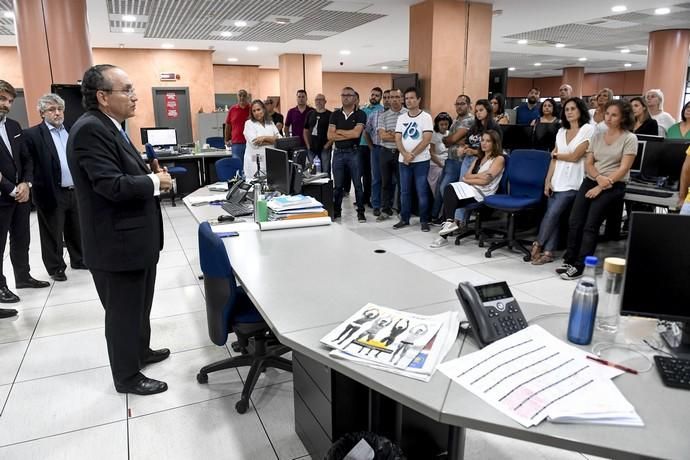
x=121, y=223
x=53, y=190
x=16, y=170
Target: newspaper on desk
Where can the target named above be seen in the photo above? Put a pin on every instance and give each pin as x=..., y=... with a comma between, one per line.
x=531, y=375
x=396, y=341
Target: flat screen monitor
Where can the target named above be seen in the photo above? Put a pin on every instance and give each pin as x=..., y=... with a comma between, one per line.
x=656, y=283
x=664, y=159
x=517, y=137
x=649, y=138
x=159, y=137
x=278, y=173
x=637, y=163
x=288, y=143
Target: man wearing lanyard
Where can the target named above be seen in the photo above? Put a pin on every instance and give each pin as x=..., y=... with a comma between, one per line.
x=53, y=190
x=344, y=129
x=16, y=177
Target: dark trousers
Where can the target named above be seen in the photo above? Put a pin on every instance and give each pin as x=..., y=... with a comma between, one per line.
x=55, y=223
x=14, y=221
x=365, y=172
x=126, y=298
x=390, y=176
x=586, y=217
x=451, y=202
x=346, y=160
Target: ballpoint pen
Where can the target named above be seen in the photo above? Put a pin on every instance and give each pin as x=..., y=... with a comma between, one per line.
x=609, y=363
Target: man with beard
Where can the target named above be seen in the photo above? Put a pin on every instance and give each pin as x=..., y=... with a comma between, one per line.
x=16, y=177
x=366, y=149
x=528, y=111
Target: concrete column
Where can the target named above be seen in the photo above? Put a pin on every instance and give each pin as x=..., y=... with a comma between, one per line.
x=53, y=44
x=450, y=50
x=299, y=71
x=667, y=66
x=574, y=76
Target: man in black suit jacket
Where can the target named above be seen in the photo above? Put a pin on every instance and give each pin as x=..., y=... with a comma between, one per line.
x=121, y=223
x=53, y=188
x=16, y=176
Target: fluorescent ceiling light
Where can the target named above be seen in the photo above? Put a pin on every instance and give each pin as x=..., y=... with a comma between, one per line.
x=625, y=50
x=127, y=30
x=537, y=64
x=627, y=64
x=522, y=42
x=345, y=52
x=8, y=14
x=511, y=68
x=240, y=23
x=225, y=33
x=233, y=59
x=167, y=45
x=582, y=59
x=662, y=10
x=560, y=45
x=252, y=48
x=384, y=67
x=129, y=18
x=619, y=8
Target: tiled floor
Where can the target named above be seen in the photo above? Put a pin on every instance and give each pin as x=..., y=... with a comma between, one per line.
x=56, y=393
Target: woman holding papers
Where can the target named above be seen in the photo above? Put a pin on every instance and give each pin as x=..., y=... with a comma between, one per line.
x=260, y=132
x=566, y=171
x=481, y=180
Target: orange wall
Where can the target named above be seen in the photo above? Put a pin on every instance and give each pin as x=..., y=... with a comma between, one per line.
x=11, y=66
x=627, y=83
x=144, y=66
x=333, y=83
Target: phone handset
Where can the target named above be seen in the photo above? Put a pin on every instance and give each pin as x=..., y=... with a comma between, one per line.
x=481, y=328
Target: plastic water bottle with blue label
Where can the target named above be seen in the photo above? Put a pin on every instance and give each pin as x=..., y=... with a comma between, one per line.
x=583, y=310
x=317, y=164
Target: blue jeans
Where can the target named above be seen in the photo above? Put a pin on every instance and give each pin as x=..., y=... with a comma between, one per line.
x=417, y=171
x=548, y=231
x=324, y=156
x=451, y=173
x=375, y=178
x=238, y=152
x=346, y=159
x=466, y=164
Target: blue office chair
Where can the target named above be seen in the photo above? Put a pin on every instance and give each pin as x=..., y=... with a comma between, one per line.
x=229, y=309
x=526, y=172
x=172, y=169
x=226, y=168
x=217, y=142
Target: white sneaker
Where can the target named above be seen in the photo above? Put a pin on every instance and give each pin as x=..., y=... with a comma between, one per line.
x=439, y=243
x=448, y=228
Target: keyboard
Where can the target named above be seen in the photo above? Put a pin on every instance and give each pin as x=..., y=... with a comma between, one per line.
x=674, y=372
x=237, y=210
x=649, y=192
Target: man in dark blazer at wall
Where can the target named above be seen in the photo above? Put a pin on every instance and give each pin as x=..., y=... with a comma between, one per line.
x=53, y=190
x=16, y=176
x=121, y=223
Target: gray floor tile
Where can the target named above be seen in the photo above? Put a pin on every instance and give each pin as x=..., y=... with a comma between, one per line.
x=12, y=354
x=175, y=301
x=4, y=393
x=174, y=277
x=19, y=327
x=71, y=317
x=55, y=405
x=180, y=332
x=211, y=429
x=105, y=442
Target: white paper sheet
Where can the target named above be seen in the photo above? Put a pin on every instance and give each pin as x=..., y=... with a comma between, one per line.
x=205, y=199
x=294, y=223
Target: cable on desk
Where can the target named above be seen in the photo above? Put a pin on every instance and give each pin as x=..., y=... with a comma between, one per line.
x=598, y=347
x=546, y=315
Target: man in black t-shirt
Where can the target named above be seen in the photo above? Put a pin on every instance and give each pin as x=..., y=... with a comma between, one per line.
x=316, y=134
x=275, y=116
x=344, y=130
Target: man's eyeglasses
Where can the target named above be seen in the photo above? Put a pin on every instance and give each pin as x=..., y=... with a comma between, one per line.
x=128, y=92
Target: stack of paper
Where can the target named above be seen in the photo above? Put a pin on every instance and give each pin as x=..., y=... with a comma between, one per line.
x=531, y=375
x=288, y=207
x=400, y=342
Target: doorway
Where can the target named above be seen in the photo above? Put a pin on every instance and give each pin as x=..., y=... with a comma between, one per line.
x=171, y=110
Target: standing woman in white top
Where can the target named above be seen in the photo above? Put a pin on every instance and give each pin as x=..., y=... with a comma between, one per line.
x=565, y=175
x=260, y=132
x=655, y=104
x=597, y=115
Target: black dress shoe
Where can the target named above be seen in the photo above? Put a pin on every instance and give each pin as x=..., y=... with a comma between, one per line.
x=8, y=312
x=156, y=356
x=59, y=276
x=7, y=296
x=79, y=266
x=144, y=386
x=31, y=283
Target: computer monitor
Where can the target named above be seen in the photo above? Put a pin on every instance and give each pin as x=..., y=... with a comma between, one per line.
x=288, y=143
x=637, y=163
x=159, y=137
x=516, y=137
x=278, y=172
x=664, y=159
x=656, y=283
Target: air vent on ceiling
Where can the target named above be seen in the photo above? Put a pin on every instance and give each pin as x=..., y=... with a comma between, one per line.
x=610, y=24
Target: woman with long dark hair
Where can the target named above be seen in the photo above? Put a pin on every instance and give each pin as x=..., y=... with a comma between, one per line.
x=483, y=121
x=260, y=132
x=644, y=123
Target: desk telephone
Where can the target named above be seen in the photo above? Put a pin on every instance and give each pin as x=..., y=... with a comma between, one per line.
x=237, y=192
x=492, y=311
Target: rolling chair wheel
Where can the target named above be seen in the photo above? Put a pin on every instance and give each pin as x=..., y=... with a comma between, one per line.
x=527, y=258
x=241, y=406
x=202, y=378
x=487, y=254
x=481, y=244
x=457, y=242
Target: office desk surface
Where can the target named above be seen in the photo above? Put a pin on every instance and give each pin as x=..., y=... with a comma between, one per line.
x=670, y=202
x=306, y=281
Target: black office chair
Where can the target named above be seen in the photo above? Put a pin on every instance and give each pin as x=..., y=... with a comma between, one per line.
x=229, y=309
